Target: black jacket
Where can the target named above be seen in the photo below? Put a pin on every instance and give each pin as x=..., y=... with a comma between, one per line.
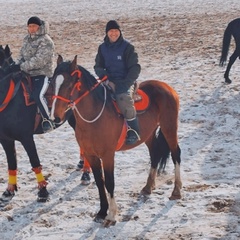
x=119, y=62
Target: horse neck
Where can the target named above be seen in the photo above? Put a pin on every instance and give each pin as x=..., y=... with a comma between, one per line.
x=92, y=108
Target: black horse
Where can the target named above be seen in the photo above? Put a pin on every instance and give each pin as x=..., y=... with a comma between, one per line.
x=20, y=120
x=233, y=29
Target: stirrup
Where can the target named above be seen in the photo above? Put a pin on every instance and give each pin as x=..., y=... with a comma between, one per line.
x=132, y=137
x=47, y=125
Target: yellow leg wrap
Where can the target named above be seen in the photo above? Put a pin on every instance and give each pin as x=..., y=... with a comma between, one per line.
x=12, y=180
x=40, y=177
x=12, y=177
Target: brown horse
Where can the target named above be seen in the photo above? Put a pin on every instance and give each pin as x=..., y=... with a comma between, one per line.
x=99, y=126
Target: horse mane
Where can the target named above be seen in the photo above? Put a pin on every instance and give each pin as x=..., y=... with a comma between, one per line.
x=89, y=81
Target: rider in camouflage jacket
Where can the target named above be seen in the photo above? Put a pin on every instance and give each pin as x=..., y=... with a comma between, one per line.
x=36, y=59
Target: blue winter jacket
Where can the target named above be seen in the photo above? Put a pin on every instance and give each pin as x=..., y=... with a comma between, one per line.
x=119, y=62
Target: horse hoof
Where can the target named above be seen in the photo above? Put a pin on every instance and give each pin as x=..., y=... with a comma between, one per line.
x=80, y=165
x=227, y=80
x=98, y=219
x=7, y=196
x=108, y=223
x=146, y=191
x=43, y=195
x=175, y=197
x=85, y=179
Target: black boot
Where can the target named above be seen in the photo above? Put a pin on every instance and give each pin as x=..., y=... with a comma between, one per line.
x=133, y=132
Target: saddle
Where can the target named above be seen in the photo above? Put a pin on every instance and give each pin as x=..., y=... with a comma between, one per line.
x=27, y=89
x=25, y=82
x=141, y=100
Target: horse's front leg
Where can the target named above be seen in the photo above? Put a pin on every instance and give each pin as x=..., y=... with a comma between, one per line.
x=97, y=171
x=30, y=147
x=108, y=166
x=232, y=59
x=9, y=148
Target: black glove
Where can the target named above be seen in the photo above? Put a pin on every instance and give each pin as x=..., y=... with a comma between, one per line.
x=15, y=68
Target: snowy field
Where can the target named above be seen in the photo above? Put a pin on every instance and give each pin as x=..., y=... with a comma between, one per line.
x=178, y=42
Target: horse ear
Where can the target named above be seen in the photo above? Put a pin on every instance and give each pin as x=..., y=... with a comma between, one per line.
x=74, y=63
x=7, y=51
x=1, y=58
x=60, y=59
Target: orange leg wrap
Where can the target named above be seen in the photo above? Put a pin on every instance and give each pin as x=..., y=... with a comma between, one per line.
x=40, y=178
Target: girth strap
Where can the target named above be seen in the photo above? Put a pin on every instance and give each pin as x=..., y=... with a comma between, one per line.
x=10, y=94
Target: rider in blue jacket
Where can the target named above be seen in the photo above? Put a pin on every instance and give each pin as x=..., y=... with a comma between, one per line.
x=117, y=59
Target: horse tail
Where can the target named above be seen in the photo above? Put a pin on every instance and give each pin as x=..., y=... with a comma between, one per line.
x=225, y=45
x=160, y=151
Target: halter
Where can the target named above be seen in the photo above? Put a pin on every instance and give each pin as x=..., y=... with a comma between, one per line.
x=7, y=62
x=72, y=103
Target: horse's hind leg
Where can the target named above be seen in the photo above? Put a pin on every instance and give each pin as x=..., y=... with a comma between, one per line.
x=9, y=148
x=171, y=138
x=159, y=147
x=176, y=194
x=150, y=185
x=159, y=153
x=30, y=147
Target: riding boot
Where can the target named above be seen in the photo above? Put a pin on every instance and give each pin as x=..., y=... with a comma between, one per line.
x=133, y=132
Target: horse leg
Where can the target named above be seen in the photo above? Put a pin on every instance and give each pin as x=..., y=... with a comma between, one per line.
x=171, y=138
x=108, y=166
x=96, y=165
x=160, y=146
x=9, y=148
x=85, y=179
x=176, y=194
x=232, y=59
x=159, y=153
x=30, y=147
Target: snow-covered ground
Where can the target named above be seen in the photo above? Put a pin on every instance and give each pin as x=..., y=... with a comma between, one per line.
x=178, y=42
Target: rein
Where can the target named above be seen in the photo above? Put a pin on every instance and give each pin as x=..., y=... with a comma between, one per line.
x=72, y=104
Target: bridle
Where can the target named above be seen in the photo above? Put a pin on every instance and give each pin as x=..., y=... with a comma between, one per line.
x=77, y=87
x=8, y=62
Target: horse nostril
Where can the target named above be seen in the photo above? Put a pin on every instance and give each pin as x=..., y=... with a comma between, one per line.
x=57, y=120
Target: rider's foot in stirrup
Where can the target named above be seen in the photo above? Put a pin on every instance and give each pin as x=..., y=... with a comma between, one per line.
x=132, y=137
x=47, y=125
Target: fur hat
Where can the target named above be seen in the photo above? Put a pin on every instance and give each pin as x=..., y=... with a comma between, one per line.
x=112, y=24
x=34, y=20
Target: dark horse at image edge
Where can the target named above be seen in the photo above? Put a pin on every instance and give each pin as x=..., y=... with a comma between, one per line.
x=233, y=29
x=17, y=123
x=99, y=127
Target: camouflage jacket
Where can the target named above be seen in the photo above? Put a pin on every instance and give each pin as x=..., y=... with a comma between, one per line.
x=37, y=53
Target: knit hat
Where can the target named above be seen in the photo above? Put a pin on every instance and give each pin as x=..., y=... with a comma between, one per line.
x=112, y=25
x=34, y=20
